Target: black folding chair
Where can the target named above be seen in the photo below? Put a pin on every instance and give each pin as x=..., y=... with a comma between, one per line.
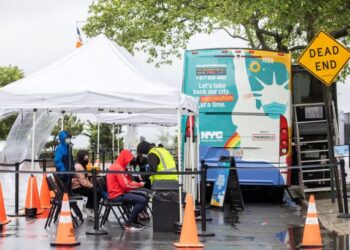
x=109, y=205
x=145, y=193
x=56, y=203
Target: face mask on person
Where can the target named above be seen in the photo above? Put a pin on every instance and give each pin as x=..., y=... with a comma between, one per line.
x=67, y=140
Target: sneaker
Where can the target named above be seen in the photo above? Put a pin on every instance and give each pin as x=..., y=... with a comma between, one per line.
x=133, y=227
x=141, y=224
x=89, y=212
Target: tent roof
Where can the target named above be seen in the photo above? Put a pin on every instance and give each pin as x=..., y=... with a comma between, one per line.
x=138, y=119
x=98, y=77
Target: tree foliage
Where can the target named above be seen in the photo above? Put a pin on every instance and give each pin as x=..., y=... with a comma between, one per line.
x=10, y=74
x=7, y=75
x=72, y=124
x=105, y=135
x=162, y=28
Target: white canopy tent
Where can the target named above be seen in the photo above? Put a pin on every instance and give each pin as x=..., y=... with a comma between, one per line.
x=138, y=119
x=99, y=77
x=133, y=120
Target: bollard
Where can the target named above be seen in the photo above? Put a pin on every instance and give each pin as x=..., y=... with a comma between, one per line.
x=204, y=232
x=96, y=230
x=345, y=193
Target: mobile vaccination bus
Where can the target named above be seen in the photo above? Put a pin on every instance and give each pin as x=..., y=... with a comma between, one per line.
x=245, y=110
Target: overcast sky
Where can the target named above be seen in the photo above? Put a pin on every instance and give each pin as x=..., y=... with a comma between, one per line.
x=35, y=33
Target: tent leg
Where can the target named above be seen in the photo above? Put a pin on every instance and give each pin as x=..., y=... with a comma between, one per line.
x=198, y=158
x=33, y=138
x=98, y=140
x=62, y=121
x=113, y=138
x=179, y=142
x=118, y=149
x=192, y=160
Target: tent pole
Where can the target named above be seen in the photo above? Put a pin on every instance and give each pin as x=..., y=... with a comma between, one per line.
x=98, y=140
x=179, y=144
x=192, y=159
x=33, y=138
x=198, y=157
x=118, y=131
x=113, y=138
x=62, y=121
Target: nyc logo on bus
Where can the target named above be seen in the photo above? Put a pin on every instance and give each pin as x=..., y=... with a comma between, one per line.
x=212, y=135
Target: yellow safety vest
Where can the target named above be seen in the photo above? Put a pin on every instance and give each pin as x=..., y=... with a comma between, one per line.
x=166, y=164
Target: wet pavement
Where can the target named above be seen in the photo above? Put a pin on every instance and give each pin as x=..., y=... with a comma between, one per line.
x=260, y=226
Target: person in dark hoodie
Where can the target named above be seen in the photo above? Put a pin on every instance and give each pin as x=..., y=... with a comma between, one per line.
x=64, y=158
x=119, y=187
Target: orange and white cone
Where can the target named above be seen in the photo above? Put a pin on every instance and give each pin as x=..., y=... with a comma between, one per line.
x=45, y=199
x=30, y=206
x=189, y=233
x=312, y=233
x=36, y=196
x=65, y=232
x=3, y=217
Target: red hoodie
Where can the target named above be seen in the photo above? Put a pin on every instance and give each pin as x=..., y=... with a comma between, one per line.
x=118, y=184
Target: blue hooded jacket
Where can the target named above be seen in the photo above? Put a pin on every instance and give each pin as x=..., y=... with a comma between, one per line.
x=61, y=154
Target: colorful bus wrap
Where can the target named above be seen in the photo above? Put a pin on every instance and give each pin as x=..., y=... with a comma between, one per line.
x=245, y=110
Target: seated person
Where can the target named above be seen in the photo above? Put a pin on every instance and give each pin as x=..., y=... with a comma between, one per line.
x=119, y=187
x=81, y=184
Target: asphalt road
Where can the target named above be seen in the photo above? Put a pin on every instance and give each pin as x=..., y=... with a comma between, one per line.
x=261, y=226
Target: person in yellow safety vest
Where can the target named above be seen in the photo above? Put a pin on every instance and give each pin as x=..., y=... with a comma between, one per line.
x=158, y=159
x=161, y=160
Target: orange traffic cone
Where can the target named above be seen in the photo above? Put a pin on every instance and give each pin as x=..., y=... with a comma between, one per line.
x=30, y=207
x=3, y=218
x=36, y=195
x=189, y=234
x=65, y=231
x=45, y=197
x=312, y=234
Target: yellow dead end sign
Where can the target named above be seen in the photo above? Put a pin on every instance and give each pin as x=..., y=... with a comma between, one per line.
x=324, y=57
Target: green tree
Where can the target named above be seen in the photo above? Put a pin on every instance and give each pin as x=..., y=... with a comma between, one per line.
x=166, y=138
x=10, y=74
x=7, y=75
x=72, y=124
x=163, y=28
x=105, y=135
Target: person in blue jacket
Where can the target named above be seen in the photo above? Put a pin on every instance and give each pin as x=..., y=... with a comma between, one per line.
x=64, y=158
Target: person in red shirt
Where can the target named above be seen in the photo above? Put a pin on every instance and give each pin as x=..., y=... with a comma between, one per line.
x=119, y=187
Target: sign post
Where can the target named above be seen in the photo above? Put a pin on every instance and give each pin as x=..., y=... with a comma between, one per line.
x=324, y=58
x=342, y=151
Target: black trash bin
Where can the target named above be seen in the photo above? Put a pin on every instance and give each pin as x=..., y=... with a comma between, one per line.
x=165, y=205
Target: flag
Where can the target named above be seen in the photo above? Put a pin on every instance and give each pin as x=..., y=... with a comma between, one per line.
x=79, y=42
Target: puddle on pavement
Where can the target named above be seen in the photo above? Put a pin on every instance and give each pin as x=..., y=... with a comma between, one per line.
x=292, y=238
